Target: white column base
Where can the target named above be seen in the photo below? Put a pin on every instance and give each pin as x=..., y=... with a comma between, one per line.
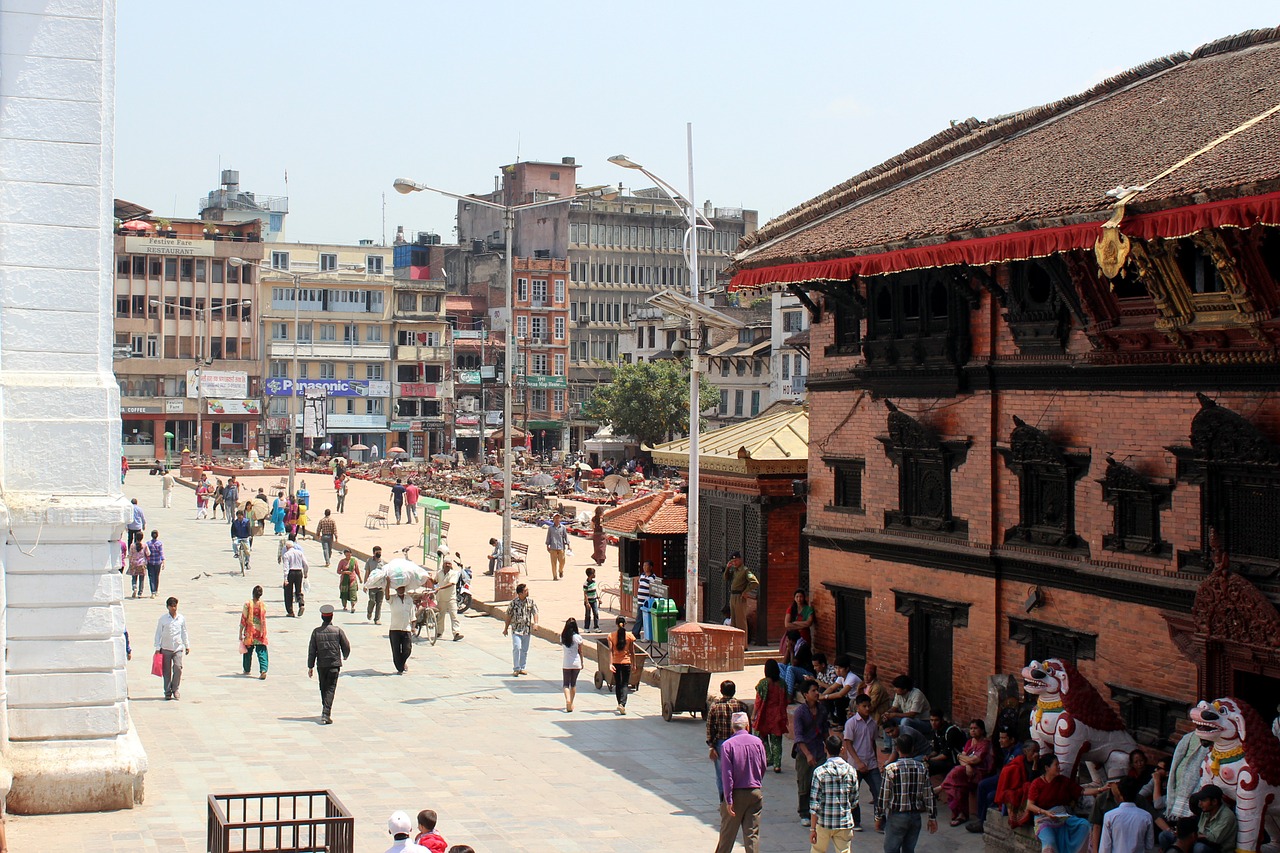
x=52, y=777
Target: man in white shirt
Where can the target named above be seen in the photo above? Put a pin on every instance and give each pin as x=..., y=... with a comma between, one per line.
x=166, y=489
x=295, y=571
x=839, y=694
x=447, y=596
x=400, y=828
x=172, y=644
x=1127, y=828
x=402, y=609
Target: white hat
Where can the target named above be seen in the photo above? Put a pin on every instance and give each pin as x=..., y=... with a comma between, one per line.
x=399, y=824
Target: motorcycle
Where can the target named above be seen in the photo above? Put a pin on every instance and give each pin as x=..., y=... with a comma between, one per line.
x=464, y=584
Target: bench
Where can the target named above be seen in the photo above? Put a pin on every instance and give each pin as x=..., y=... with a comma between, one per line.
x=614, y=593
x=379, y=518
x=520, y=554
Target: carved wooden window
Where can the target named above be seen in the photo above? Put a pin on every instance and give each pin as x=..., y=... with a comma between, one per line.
x=1238, y=471
x=1152, y=719
x=1044, y=641
x=847, y=317
x=916, y=318
x=1046, y=500
x=847, y=476
x=851, y=622
x=1037, y=315
x=1198, y=269
x=1136, y=501
x=924, y=465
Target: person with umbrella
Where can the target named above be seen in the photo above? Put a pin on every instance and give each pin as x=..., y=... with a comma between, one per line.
x=328, y=648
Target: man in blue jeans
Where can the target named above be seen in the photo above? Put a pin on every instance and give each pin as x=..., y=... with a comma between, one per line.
x=905, y=794
x=522, y=619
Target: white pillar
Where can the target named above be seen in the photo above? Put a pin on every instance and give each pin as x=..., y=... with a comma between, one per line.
x=65, y=730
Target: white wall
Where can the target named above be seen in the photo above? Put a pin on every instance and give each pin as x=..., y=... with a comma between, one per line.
x=67, y=735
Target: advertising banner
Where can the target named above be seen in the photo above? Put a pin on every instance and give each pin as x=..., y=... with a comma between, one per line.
x=218, y=383
x=313, y=413
x=419, y=389
x=283, y=387
x=233, y=407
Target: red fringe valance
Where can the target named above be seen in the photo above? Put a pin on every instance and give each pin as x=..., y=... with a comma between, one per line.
x=1021, y=245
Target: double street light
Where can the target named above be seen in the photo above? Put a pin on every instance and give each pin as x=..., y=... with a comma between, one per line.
x=698, y=315
x=406, y=186
x=201, y=361
x=293, y=391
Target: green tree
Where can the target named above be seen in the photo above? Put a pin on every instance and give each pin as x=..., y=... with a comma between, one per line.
x=648, y=400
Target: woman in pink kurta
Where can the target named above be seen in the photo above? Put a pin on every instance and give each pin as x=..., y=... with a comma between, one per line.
x=974, y=766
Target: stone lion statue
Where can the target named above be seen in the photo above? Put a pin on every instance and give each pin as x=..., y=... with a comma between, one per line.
x=1072, y=720
x=1244, y=761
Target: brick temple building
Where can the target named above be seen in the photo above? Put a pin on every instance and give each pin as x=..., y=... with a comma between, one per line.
x=1033, y=400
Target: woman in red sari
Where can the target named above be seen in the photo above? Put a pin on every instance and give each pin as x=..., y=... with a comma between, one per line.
x=771, y=713
x=253, y=633
x=974, y=764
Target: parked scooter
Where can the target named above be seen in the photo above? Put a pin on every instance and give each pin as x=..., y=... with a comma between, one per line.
x=464, y=584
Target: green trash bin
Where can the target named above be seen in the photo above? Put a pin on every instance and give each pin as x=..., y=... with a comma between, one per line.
x=664, y=618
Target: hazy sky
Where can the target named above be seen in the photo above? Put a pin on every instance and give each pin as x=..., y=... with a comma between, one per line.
x=786, y=99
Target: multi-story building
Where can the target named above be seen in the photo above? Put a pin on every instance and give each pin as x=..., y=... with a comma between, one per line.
x=619, y=252
x=230, y=204
x=338, y=322
x=182, y=313
x=423, y=381
x=476, y=352
x=737, y=362
x=789, y=345
x=1044, y=420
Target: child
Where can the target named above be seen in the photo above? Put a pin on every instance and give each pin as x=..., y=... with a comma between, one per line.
x=724, y=612
x=591, y=602
x=427, y=835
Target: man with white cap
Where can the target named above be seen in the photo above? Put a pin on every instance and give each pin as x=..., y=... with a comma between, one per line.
x=401, y=828
x=447, y=594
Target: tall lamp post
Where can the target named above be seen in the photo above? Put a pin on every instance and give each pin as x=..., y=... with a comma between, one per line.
x=691, y=311
x=406, y=186
x=201, y=361
x=293, y=391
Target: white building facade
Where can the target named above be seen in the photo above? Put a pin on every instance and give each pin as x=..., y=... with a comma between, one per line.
x=65, y=731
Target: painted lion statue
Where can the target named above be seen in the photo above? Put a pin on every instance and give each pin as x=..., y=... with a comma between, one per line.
x=1244, y=761
x=1072, y=720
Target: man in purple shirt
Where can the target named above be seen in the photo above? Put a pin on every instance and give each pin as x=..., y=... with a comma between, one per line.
x=810, y=723
x=742, y=763
x=860, y=751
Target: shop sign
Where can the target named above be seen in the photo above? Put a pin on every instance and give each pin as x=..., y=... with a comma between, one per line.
x=234, y=407
x=173, y=407
x=468, y=377
x=218, y=383
x=168, y=246
x=468, y=420
x=419, y=389
x=535, y=381
x=284, y=387
x=278, y=425
x=140, y=410
x=401, y=426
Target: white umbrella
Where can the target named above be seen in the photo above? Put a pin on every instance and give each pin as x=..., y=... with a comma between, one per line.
x=618, y=485
x=400, y=572
x=326, y=446
x=585, y=468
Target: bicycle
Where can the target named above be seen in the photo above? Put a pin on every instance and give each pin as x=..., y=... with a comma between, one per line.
x=240, y=547
x=425, y=618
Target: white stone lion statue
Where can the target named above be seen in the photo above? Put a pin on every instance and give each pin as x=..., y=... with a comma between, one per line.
x=1072, y=720
x=1244, y=761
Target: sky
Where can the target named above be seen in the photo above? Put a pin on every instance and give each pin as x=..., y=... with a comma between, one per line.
x=786, y=99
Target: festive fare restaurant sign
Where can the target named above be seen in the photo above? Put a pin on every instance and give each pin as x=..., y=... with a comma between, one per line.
x=167, y=246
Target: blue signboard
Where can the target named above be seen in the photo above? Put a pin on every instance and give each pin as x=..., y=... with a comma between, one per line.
x=282, y=387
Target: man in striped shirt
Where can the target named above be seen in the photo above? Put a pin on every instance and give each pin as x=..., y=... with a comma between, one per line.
x=904, y=795
x=831, y=798
x=643, y=582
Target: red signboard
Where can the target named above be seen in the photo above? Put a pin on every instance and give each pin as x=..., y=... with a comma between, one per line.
x=418, y=389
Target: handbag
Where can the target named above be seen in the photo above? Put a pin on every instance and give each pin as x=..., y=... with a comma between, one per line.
x=244, y=650
x=157, y=664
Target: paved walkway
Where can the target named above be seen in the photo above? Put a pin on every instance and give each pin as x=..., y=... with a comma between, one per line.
x=496, y=756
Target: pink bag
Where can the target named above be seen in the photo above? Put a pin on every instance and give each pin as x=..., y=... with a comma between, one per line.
x=157, y=664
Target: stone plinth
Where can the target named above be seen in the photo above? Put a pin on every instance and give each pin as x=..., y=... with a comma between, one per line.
x=504, y=583
x=717, y=648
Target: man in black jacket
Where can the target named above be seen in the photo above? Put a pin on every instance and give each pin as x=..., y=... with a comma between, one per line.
x=328, y=648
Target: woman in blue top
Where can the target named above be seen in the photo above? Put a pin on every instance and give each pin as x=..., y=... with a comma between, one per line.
x=277, y=514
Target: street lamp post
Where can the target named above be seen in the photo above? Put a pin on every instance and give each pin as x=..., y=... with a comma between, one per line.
x=406, y=186
x=690, y=210
x=201, y=361
x=293, y=391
